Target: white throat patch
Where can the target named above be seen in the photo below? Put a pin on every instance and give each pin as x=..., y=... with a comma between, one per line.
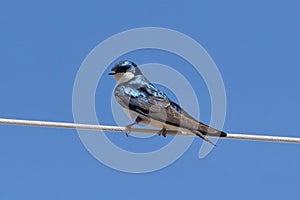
x=123, y=77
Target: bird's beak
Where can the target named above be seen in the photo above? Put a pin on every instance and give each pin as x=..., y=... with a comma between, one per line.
x=112, y=73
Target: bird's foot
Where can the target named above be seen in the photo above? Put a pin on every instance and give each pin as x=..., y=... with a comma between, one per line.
x=128, y=130
x=128, y=127
x=163, y=132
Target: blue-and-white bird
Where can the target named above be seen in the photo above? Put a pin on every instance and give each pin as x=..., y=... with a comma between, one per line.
x=146, y=104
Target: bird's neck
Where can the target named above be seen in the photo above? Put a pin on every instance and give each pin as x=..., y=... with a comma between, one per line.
x=122, y=78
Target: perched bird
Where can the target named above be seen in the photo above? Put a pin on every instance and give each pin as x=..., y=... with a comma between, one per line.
x=146, y=104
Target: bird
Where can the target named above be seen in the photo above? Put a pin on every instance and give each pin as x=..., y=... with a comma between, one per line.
x=146, y=104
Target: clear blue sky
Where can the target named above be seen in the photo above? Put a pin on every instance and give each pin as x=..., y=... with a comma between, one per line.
x=255, y=45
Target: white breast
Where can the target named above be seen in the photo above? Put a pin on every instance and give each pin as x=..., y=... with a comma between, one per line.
x=147, y=121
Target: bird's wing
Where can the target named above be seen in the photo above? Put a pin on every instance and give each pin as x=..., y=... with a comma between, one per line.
x=141, y=98
x=151, y=102
x=187, y=121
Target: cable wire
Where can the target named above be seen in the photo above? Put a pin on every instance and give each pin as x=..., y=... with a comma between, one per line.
x=234, y=136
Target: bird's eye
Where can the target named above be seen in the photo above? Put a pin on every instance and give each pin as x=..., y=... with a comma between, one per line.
x=122, y=69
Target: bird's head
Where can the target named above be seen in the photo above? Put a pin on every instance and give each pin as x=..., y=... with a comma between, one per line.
x=125, y=70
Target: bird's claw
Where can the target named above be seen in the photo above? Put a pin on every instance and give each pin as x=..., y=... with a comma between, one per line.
x=163, y=132
x=128, y=127
x=128, y=130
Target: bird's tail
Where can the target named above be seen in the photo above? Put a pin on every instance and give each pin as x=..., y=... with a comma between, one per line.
x=199, y=134
x=204, y=135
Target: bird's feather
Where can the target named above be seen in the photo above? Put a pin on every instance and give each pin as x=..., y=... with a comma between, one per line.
x=141, y=96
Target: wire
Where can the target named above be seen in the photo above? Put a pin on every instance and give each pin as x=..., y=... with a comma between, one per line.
x=143, y=130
